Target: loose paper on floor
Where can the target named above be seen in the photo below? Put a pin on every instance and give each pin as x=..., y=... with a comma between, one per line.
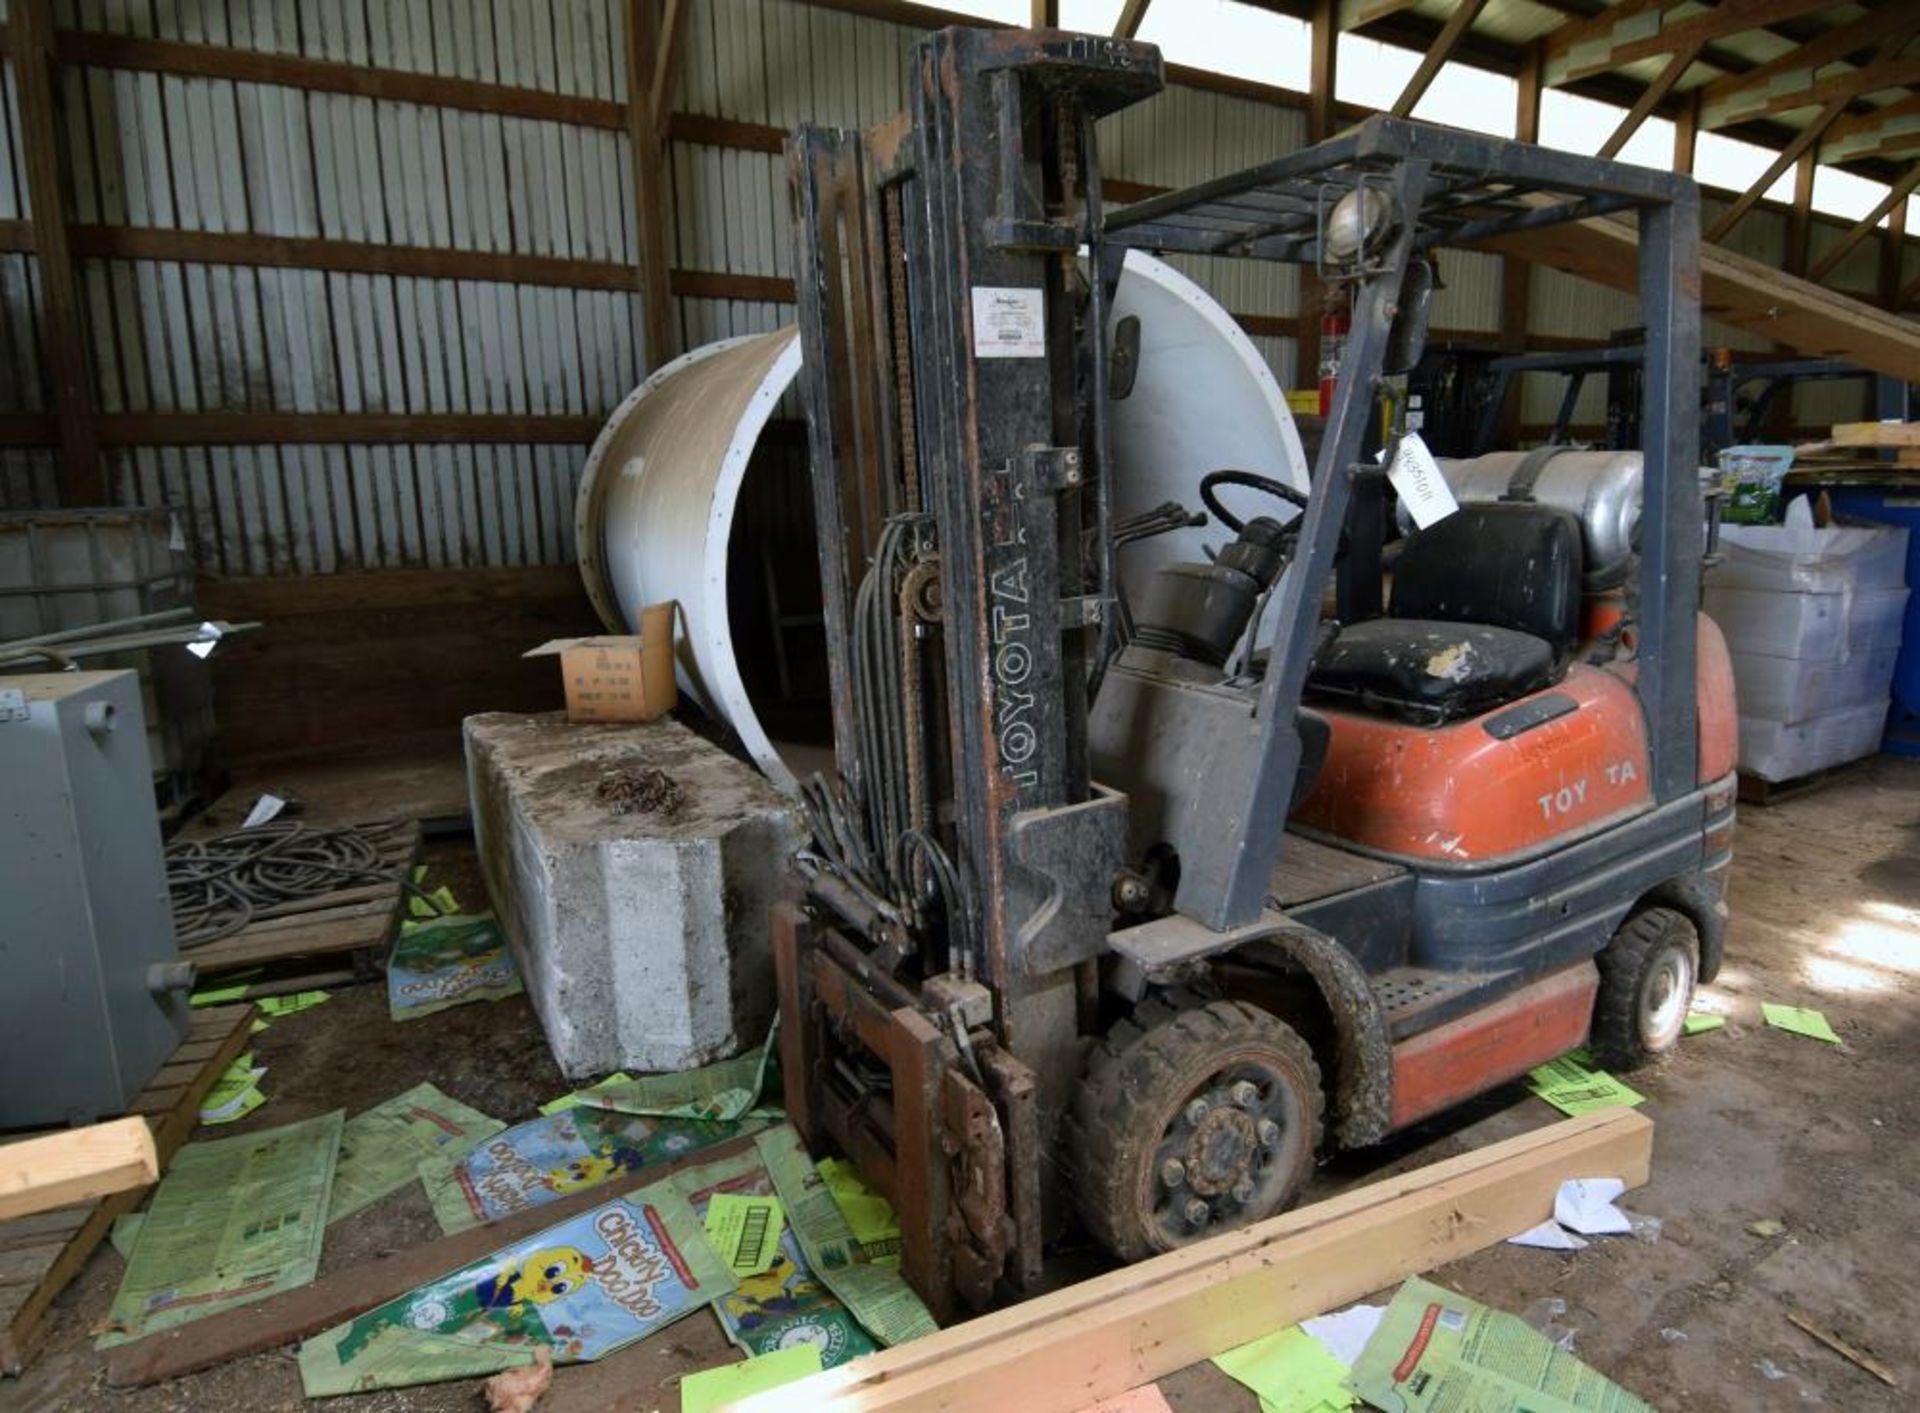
x=1699, y=1023
x=716, y=1388
x=234, y=1220
x=786, y=1304
x=235, y=1094
x=1572, y=1088
x=448, y=962
x=715, y=1093
x=382, y=1149
x=1291, y=1371
x=1799, y=1020
x=550, y=1157
x=583, y=1287
x=878, y=1297
x=1436, y=1350
x=875, y=1225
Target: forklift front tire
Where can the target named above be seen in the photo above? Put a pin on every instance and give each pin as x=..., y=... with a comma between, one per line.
x=1192, y=1120
x=1647, y=973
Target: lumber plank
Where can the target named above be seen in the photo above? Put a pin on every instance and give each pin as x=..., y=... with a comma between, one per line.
x=1747, y=294
x=1899, y=434
x=40, y=1174
x=281, y=1319
x=1101, y=1337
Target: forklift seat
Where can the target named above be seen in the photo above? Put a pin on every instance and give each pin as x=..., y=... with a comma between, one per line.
x=1485, y=610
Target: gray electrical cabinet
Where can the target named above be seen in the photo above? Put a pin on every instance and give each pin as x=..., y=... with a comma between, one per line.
x=93, y=998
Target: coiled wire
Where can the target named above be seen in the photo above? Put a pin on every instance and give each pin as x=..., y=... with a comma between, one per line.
x=219, y=885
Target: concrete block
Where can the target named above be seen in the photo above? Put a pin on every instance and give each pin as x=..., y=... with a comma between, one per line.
x=641, y=932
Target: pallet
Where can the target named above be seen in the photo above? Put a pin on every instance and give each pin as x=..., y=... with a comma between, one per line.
x=356, y=919
x=1756, y=791
x=41, y=1254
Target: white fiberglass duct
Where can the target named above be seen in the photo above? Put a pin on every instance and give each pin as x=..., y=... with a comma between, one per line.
x=656, y=509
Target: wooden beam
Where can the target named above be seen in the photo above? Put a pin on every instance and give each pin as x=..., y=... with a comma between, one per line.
x=1892, y=255
x=1839, y=43
x=1748, y=294
x=1686, y=135
x=1651, y=97
x=1099, y=1338
x=1323, y=39
x=340, y=1295
x=1458, y=23
x=69, y=364
x=651, y=185
x=719, y=284
x=1800, y=223
x=1841, y=87
x=1909, y=296
x=1802, y=143
x=348, y=257
x=1609, y=41
x=665, y=86
x=1132, y=15
x=78, y=1165
x=1357, y=14
x=349, y=428
x=165, y=56
x=1892, y=128
x=1896, y=196
x=1516, y=275
x=1044, y=14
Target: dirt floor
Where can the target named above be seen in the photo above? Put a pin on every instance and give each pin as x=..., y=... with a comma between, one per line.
x=1751, y=1123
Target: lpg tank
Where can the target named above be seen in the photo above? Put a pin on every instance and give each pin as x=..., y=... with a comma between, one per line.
x=1601, y=489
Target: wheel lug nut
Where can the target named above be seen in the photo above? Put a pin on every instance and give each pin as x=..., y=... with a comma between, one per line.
x=1246, y=1094
x=1197, y=1212
x=1269, y=1132
x=1173, y=1172
x=1243, y=1191
x=1196, y=1111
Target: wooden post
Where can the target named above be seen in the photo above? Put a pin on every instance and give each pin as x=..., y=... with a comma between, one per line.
x=1893, y=245
x=69, y=365
x=650, y=184
x=1686, y=135
x=1516, y=272
x=1320, y=80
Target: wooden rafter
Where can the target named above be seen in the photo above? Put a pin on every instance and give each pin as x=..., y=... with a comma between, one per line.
x=1896, y=196
x=1356, y=14
x=1652, y=96
x=1458, y=23
x=1802, y=142
x=1840, y=42
x=1044, y=14
x=1887, y=131
x=1846, y=86
x=1613, y=38
x=1132, y=15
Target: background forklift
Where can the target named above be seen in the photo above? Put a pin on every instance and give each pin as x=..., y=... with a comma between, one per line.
x=1123, y=911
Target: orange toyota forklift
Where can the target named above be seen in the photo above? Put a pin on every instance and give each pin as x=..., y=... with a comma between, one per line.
x=1121, y=914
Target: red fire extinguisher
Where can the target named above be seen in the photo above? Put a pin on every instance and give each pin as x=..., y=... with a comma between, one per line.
x=1334, y=327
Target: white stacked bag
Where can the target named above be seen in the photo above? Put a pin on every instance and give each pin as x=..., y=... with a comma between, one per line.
x=1813, y=619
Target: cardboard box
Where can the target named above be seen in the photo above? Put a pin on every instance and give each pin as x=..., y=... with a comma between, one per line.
x=619, y=678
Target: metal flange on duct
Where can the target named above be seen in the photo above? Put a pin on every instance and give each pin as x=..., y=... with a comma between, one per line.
x=658, y=501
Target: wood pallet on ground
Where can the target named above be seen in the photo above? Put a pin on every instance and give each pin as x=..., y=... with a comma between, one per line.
x=41, y=1254
x=356, y=919
x=1756, y=791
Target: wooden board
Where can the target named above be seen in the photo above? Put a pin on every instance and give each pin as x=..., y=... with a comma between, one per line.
x=295, y=1314
x=40, y=1255
x=1899, y=434
x=1807, y=318
x=1104, y=1336
x=78, y=1165
x=357, y=918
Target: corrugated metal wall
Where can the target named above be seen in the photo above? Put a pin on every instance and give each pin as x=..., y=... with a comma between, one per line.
x=149, y=150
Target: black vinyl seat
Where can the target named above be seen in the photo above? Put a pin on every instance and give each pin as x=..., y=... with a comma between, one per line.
x=1485, y=609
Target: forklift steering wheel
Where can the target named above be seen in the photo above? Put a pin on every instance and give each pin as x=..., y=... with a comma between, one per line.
x=1252, y=480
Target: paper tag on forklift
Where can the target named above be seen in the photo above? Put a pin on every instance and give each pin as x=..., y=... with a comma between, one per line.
x=1417, y=481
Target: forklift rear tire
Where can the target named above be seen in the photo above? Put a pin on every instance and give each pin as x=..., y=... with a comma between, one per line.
x=1647, y=974
x=1189, y=1121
